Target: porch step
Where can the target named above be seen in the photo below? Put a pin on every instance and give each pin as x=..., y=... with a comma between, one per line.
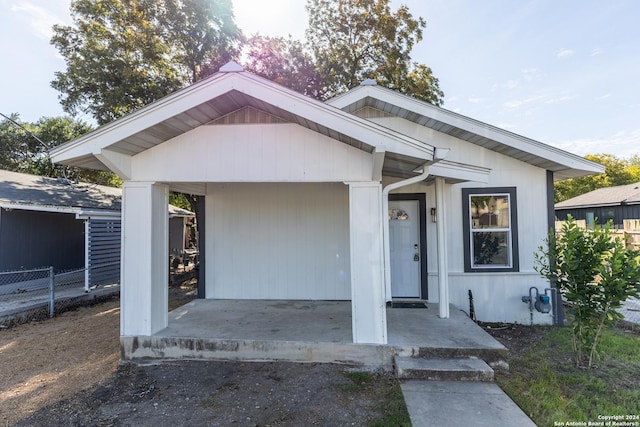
x=435, y=369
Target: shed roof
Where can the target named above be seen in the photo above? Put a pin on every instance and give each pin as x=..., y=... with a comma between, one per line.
x=609, y=196
x=562, y=163
x=33, y=192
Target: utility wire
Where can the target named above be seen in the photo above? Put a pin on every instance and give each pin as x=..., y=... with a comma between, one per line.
x=44, y=144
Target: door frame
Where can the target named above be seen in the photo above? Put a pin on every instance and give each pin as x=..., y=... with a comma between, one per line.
x=422, y=211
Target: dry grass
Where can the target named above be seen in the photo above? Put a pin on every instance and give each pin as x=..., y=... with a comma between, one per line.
x=43, y=362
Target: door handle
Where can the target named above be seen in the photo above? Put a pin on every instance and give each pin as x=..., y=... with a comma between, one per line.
x=416, y=257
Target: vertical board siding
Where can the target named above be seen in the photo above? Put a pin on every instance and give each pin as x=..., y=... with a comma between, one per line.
x=30, y=239
x=104, y=251
x=278, y=241
x=620, y=213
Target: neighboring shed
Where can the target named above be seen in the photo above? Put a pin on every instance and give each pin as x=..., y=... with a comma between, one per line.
x=604, y=204
x=56, y=222
x=50, y=222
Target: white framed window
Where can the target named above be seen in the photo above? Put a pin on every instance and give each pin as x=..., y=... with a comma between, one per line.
x=490, y=229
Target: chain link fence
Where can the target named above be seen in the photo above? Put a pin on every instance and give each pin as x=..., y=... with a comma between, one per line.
x=31, y=293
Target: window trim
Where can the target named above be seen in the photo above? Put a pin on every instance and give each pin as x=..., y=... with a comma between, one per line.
x=466, y=228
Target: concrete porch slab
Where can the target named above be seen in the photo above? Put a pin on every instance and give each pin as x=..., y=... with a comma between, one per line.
x=308, y=331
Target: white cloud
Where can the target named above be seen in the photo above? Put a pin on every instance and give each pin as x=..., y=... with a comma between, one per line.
x=516, y=103
x=40, y=20
x=559, y=99
x=600, y=98
x=564, y=53
x=621, y=144
x=597, y=51
x=475, y=100
x=529, y=74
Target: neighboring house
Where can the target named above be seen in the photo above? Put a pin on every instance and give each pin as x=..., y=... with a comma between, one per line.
x=55, y=222
x=604, y=204
x=369, y=197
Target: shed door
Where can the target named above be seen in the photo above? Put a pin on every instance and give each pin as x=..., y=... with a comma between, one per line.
x=404, y=246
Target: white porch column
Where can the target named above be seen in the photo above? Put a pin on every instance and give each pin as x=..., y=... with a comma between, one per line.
x=443, y=264
x=144, y=278
x=368, y=306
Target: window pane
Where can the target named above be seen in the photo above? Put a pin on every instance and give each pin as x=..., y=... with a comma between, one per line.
x=489, y=211
x=491, y=248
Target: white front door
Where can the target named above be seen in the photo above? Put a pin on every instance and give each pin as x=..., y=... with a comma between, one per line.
x=404, y=247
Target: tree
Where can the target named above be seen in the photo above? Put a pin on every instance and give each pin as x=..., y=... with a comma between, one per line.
x=596, y=274
x=355, y=40
x=24, y=148
x=123, y=54
x=284, y=61
x=617, y=172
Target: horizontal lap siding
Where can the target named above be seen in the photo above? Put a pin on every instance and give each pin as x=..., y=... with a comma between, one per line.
x=278, y=241
x=104, y=251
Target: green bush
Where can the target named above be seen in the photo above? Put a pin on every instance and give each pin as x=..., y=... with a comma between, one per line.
x=594, y=272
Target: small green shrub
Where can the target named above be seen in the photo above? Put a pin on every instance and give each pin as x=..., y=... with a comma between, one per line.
x=594, y=272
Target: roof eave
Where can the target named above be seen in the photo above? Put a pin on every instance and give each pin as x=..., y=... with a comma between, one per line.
x=567, y=165
x=85, y=146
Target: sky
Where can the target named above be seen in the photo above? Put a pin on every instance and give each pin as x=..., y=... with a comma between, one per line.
x=564, y=73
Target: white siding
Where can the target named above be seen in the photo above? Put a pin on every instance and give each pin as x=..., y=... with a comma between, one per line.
x=497, y=296
x=278, y=241
x=253, y=153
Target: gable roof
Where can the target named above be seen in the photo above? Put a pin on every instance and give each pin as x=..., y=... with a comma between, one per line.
x=33, y=192
x=563, y=164
x=609, y=196
x=221, y=94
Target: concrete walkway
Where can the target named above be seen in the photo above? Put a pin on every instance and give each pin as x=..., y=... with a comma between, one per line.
x=458, y=403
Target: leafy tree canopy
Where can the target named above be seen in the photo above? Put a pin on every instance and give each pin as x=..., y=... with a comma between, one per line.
x=24, y=147
x=355, y=40
x=124, y=54
x=617, y=172
x=284, y=61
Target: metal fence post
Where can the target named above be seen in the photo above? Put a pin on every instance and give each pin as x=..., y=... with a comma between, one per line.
x=52, y=297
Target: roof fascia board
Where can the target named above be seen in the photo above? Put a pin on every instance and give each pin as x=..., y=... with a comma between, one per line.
x=92, y=214
x=144, y=118
x=599, y=205
x=460, y=171
x=468, y=124
x=60, y=209
x=39, y=208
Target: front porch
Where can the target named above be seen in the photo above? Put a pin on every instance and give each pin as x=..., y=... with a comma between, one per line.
x=309, y=331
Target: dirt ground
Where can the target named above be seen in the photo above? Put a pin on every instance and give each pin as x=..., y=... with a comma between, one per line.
x=66, y=372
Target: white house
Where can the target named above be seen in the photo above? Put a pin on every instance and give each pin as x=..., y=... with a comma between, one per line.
x=370, y=197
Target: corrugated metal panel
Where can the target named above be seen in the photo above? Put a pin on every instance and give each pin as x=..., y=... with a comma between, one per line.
x=104, y=251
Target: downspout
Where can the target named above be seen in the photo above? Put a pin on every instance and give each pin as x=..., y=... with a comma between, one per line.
x=438, y=154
